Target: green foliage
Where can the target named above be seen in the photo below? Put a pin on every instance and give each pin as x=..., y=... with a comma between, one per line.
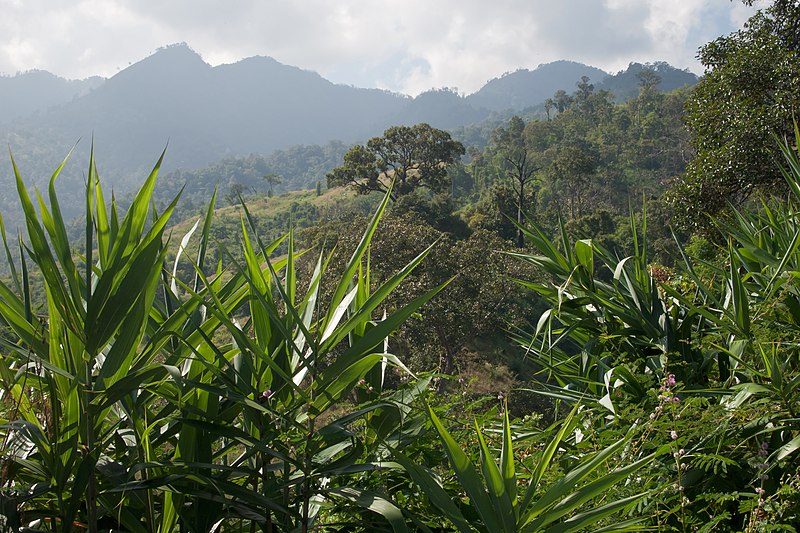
x=717, y=336
x=126, y=408
x=517, y=163
x=292, y=169
x=592, y=155
x=569, y=504
x=411, y=157
x=748, y=96
x=478, y=301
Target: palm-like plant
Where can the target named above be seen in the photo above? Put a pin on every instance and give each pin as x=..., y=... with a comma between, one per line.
x=63, y=368
x=730, y=333
x=265, y=397
x=597, y=332
x=572, y=503
x=124, y=410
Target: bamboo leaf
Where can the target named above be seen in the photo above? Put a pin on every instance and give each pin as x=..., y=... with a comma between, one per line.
x=434, y=491
x=467, y=476
x=375, y=503
x=355, y=260
x=496, y=486
x=507, y=466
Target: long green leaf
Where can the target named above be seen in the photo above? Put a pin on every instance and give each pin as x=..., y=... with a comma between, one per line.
x=467, y=476
x=375, y=503
x=434, y=491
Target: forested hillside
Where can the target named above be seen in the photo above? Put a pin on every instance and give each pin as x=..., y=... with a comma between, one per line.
x=587, y=319
x=256, y=108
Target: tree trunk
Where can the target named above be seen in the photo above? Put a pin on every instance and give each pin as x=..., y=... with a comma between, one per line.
x=447, y=361
x=520, y=201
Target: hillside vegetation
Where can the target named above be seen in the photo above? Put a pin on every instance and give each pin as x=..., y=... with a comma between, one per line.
x=551, y=334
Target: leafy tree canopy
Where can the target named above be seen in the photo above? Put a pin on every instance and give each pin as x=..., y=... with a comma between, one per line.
x=748, y=96
x=413, y=156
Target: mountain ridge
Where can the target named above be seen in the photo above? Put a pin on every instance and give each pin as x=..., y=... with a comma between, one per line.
x=253, y=106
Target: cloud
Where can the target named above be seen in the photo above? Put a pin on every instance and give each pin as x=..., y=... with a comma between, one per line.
x=402, y=45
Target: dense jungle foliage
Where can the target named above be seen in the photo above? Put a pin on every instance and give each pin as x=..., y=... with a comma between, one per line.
x=551, y=336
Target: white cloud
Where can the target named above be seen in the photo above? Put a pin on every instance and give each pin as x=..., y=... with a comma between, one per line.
x=404, y=45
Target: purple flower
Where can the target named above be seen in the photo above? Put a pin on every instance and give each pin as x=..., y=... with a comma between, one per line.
x=264, y=396
x=673, y=434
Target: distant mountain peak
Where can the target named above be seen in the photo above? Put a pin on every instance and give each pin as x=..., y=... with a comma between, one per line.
x=260, y=60
x=166, y=62
x=526, y=88
x=567, y=63
x=624, y=84
x=268, y=64
x=177, y=50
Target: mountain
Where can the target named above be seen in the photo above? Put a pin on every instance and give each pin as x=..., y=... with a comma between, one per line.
x=625, y=84
x=527, y=88
x=37, y=90
x=441, y=108
x=205, y=114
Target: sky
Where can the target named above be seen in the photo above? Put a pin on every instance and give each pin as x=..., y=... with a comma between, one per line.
x=406, y=46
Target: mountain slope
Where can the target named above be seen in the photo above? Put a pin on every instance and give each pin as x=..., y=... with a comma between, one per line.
x=205, y=114
x=625, y=84
x=526, y=88
x=37, y=90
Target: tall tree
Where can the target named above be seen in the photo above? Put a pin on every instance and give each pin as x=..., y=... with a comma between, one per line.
x=747, y=97
x=786, y=14
x=585, y=89
x=413, y=157
x=272, y=180
x=573, y=168
x=548, y=105
x=562, y=100
x=517, y=163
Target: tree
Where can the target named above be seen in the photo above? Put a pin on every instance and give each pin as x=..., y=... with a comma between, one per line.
x=746, y=99
x=517, y=163
x=573, y=168
x=480, y=299
x=648, y=79
x=236, y=191
x=549, y=104
x=413, y=156
x=585, y=89
x=786, y=14
x=272, y=179
x=562, y=100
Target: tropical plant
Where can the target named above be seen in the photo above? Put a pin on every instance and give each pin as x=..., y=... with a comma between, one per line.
x=718, y=336
x=144, y=402
x=575, y=501
x=609, y=321
x=71, y=376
